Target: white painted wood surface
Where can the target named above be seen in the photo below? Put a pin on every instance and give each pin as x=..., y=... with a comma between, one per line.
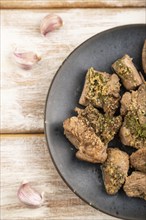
x=26, y=157
x=71, y=3
x=23, y=93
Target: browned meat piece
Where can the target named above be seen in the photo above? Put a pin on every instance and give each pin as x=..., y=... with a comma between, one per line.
x=144, y=57
x=138, y=160
x=141, y=104
x=126, y=70
x=90, y=147
x=125, y=103
x=115, y=170
x=135, y=101
x=132, y=133
x=133, y=130
x=101, y=90
x=135, y=185
x=90, y=132
x=104, y=126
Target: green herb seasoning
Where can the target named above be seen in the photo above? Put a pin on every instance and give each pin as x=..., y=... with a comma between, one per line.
x=98, y=91
x=132, y=122
x=104, y=125
x=122, y=70
x=115, y=177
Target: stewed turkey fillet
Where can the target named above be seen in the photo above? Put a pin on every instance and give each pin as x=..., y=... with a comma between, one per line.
x=101, y=90
x=105, y=126
x=138, y=160
x=144, y=57
x=126, y=70
x=133, y=106
x=115, y=170
x=90, y=132
x=89, y=145
x=135, y=185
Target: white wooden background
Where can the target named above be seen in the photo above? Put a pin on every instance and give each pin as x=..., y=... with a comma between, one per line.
x=24, y=154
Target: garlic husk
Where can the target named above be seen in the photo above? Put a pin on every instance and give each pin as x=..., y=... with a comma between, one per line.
x=50, y=23
x=29, y=196
x=26, y=59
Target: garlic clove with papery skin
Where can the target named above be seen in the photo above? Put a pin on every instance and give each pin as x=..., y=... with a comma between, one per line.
x=50, y=23
x=26, y=59
x=29, y=196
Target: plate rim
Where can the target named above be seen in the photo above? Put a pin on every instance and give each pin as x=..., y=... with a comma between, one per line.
x=45, y=113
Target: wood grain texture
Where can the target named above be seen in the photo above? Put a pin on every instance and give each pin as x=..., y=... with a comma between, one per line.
x=23, y=93
x=37, y=4
x=25, y=157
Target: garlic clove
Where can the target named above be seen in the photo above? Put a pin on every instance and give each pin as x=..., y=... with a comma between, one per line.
x=26, y=59
x=50, y=23
x=29, y=196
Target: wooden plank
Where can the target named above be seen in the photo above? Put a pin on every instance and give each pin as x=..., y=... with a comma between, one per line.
x=23, y=93
x=26, y=157
x=5, y=4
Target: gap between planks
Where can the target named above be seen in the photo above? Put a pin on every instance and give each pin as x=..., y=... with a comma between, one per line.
x=62, y=4
x=20, y=135
x=63, y=8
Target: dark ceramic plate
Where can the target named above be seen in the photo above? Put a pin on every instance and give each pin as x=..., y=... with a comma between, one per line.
x=83, y=178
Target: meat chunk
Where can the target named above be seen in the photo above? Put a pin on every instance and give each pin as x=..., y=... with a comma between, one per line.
x=105, y=126
x=125, y=103
x=135, y=185
x=115, y=170
x=141, y=105
x=90, y=132
x=101, y=90
x=133, y=106
x=144, y=57
x=89, y=145
x=135, y=101
x=126, y=70
x=138, y=160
